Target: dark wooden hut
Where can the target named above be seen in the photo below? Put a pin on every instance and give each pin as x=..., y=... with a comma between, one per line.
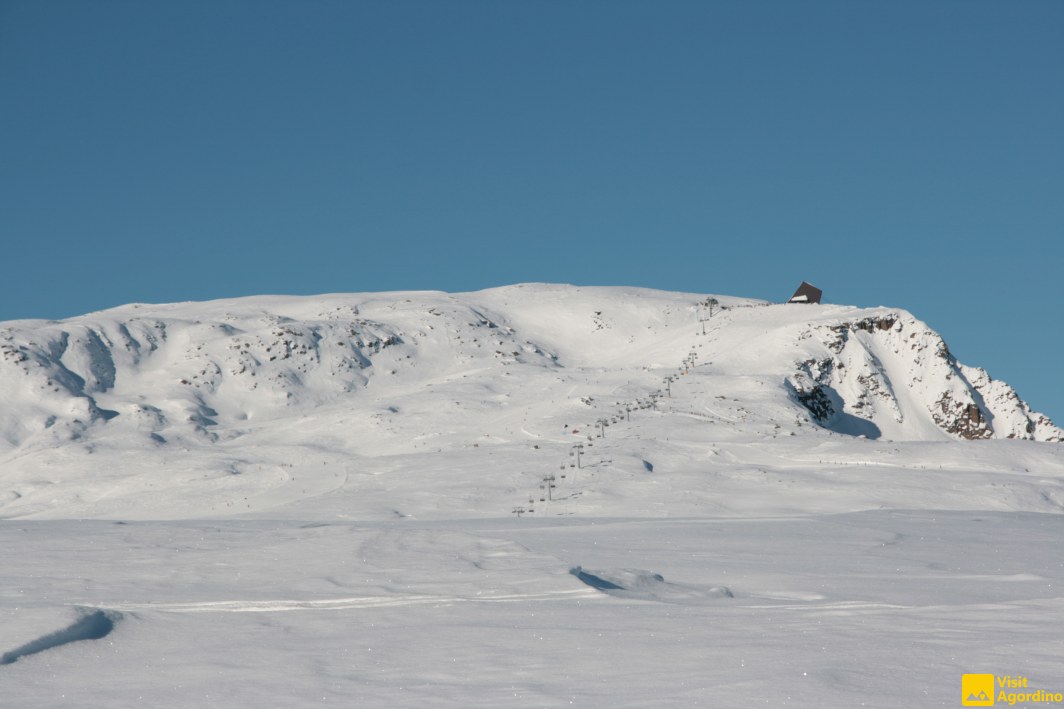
x=806, y=293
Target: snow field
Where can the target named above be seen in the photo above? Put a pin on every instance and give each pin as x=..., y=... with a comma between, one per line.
x=185, y=521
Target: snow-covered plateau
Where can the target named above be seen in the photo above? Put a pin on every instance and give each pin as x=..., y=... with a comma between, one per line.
x=538, y=495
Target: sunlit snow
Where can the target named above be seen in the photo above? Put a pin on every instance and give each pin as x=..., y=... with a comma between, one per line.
x=536, y=495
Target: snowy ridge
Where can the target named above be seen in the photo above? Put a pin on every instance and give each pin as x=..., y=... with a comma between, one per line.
x=885, y=369
x=242, y=395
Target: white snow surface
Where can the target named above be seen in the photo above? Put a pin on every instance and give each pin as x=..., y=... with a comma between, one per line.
x=340, y=500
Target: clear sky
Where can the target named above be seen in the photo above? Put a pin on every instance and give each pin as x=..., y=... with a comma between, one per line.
x=902, y=153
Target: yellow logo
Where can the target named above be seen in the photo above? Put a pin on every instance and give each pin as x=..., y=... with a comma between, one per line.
x=977, y=690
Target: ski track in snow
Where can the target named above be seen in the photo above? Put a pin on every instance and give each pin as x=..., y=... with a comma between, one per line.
x=353, y=602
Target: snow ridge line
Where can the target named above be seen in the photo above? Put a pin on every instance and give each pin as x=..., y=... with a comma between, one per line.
x=280, y=605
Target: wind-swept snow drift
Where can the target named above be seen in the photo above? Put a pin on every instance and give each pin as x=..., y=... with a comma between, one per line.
x=92, y=624
x=636, y=584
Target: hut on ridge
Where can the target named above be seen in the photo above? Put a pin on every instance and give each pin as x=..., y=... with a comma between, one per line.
x=806, y=293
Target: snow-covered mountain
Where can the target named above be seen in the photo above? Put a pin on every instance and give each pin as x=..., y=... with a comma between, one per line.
x=528, y=496
x=880, y=370
x=265, y=383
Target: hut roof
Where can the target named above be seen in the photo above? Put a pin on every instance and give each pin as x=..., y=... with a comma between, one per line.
x=806, y=293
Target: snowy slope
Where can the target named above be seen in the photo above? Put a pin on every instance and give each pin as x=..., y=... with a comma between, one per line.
x=228, y=399
x=537, y=495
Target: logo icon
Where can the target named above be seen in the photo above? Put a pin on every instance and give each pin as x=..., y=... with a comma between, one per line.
x=977, y=690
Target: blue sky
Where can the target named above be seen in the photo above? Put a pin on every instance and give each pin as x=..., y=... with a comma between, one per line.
x=903, y=153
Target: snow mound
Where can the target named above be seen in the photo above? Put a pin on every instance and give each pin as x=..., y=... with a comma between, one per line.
x=640, y=585
x=91, y=624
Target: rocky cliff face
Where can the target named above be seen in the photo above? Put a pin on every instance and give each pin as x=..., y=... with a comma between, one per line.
x=893, y=367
